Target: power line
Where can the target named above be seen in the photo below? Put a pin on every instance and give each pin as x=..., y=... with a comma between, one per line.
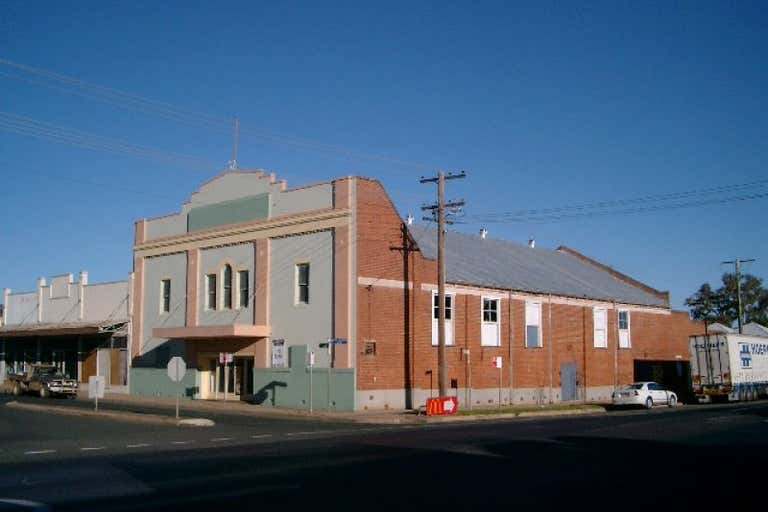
x=126, y=100
x=605, y=205
x=31, y=127
x=543, y=219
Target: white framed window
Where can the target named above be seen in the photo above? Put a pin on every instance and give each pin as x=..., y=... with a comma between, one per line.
x=302, y=283
x=449, y=302
x=210, y=291
x=165, y=296
x=490, y=335
x=243, y=285
x=533, y=338
x=600, y=334
x=625, y=339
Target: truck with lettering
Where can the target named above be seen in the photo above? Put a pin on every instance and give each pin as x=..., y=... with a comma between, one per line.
x=729, y=367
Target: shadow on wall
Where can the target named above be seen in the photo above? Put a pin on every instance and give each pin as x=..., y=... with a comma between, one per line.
x=268, y=393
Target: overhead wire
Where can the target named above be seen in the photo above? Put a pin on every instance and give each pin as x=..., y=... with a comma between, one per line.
x=622, y=206
x=125, y=100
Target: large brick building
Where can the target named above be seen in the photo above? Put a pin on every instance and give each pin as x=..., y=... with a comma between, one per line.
x=252, y=268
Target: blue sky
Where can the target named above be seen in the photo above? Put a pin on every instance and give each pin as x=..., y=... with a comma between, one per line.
x=544, y=105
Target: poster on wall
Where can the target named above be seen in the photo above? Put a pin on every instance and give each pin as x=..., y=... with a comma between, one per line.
x=278, y=354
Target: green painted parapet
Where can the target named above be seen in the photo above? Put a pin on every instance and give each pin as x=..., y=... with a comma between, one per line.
x=228, y=212
x=290, y=387
x=155, y=382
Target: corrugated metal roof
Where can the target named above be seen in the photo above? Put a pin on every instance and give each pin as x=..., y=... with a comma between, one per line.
x=495, y=263
x=755, y=329
x=62, y=329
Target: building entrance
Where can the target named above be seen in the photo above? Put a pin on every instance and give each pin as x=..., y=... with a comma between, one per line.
x=231, y=381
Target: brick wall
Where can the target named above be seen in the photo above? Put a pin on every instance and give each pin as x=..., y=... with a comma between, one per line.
x=398, y=319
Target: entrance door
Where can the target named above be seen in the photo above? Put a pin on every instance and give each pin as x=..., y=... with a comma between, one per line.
x=568, y=381
x=208, y=372
x=243, y=369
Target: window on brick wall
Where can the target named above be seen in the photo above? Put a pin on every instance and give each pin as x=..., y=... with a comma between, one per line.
x=600, y=335
x=625, y=340
x=533, y=338
x=489, y=328
x=449, y=300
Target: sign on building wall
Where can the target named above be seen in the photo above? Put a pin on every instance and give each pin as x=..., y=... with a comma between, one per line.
x=278, y=354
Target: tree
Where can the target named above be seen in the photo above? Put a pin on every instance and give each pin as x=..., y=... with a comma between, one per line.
x=722, y=305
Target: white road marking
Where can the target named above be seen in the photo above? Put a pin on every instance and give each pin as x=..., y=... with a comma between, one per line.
x=220, y=439
x=260, y=436
x=38, y=452
x=92, y=448
x=298, y=433
x=139, y=445
x=182, y=442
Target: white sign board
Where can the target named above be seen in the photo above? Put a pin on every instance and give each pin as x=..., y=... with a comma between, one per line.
x=177, y=368
x=311, y=359
x=278, y=354
x=96, y=386
x=497, y=361
x=225, y=357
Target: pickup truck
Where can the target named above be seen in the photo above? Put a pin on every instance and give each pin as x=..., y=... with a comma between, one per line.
x=45, y=380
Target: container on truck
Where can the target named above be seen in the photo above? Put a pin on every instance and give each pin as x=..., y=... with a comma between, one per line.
x=729, y=367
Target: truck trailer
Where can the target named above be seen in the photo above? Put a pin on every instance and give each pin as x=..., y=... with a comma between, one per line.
x=729, y=367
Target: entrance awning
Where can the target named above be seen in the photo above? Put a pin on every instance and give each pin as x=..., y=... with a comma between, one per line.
x=62, y=329
x=213, y=331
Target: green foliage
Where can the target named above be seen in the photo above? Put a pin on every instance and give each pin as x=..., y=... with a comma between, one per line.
x=722, y=305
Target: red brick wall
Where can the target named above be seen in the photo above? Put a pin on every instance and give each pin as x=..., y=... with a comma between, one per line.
x=401, y=344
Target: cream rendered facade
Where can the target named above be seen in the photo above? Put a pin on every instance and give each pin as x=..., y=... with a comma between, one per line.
x=222, y=277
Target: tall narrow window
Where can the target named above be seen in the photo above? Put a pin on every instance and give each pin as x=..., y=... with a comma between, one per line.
x=625, y=340
x=448, y=319
x=533, y=325
x=601, y=328
x=242, y=283
x=489, y=330
x=210, y=302
x=302, y=283
x=227, y=287
x=165, y=296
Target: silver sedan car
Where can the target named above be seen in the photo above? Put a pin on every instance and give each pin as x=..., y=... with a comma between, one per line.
x=646, y=394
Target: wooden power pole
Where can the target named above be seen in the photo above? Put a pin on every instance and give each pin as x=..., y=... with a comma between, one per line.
x=439, y=214
x=737, y=263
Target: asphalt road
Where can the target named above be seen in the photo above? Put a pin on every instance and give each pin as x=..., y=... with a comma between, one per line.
x=689, y=458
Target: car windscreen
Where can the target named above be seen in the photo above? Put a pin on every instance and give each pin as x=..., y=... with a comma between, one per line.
x=635, y=386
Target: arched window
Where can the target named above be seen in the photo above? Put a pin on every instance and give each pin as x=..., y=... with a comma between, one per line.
x=227, y=287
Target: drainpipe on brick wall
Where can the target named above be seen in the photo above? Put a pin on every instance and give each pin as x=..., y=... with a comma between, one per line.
x=616, y=351
x=549, y=328
x=511, y=352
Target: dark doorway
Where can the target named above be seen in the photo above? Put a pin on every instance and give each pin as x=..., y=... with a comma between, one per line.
x=676, y=375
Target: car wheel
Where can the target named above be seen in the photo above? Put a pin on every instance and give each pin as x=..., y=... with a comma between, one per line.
x=17, y=389
x=44, y=392
x=648, y=403
x=672, y=401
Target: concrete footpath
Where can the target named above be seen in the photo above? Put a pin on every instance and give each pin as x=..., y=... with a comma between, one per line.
x=162, y=410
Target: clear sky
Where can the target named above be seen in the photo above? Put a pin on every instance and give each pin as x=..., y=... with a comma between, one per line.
x=545, y=105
